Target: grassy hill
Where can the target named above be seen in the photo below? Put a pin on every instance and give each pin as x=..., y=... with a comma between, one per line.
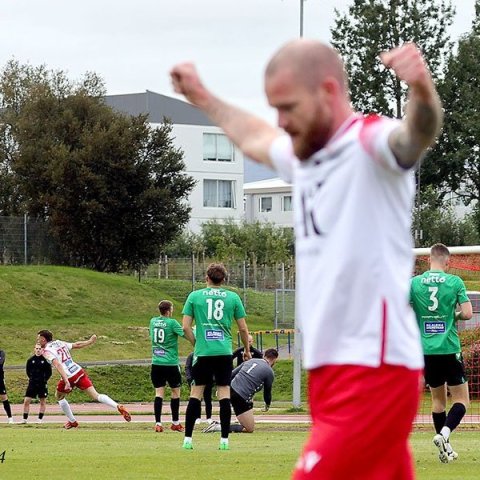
x=75, y=303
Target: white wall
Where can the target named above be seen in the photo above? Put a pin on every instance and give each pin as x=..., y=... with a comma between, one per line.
x=190, y=139
x=276, y=215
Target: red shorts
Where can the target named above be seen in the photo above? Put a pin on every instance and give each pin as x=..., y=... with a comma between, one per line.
x=79, y=380
x=362, y=418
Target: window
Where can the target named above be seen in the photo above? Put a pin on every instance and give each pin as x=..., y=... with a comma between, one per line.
x=217, y=148
x=265, y=204
x=219, y=193
x=287, y=203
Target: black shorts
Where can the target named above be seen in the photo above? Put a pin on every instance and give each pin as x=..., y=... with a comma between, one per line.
x=239, y=404
x=441, y=369
x=216, y=368
x=3, y=388
x=35, y=390
x=161, y=374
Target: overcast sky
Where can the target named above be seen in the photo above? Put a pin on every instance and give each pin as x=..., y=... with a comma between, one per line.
x=133, y=44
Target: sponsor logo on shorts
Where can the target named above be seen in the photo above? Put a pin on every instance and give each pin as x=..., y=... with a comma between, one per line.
x=159, y=352
x=214, y=335
x=434, y=327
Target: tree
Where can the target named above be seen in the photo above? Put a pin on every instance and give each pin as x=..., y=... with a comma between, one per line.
x=372, y=26
x=259, y=243
x=454, y=165
x=438, y=222
x=111, y=187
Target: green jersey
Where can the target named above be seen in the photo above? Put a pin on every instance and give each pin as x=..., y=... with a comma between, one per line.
x=434, y=296
x=164, y=333
x=213, y=310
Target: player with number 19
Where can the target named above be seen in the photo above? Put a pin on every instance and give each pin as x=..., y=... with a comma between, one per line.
x=213, y=309
x=164, y=333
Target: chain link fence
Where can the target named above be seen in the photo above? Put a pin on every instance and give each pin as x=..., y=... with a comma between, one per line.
x=25, y=241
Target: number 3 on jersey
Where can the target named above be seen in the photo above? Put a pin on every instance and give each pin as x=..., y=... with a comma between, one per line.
x=433, y=297
x=215, y=309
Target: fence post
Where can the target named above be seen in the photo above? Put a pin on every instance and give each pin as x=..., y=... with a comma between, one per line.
x=283, y=292
x=25, y=248
x=166, y=267
x=297, y=367
x=193, y=271
x=245, y=284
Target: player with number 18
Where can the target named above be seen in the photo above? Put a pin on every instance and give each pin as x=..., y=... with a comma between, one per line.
x=213, y=309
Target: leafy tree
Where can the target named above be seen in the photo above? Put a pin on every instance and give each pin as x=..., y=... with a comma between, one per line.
x=372, y=26
x=259, y=243
x=111, y=187
x=455, y=163
x=438, y=222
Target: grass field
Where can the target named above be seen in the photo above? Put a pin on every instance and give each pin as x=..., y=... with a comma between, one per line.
x=136, y=452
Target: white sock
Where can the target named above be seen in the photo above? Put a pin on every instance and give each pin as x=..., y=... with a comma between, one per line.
x=445, y=431
x=175, y=422
x=65, y=406
x=159, y=423
x=102, y=398
x=187, y=440
x=224, y=440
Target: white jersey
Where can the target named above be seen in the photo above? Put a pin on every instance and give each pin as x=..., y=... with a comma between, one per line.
x=61, y=351
x=352, y=206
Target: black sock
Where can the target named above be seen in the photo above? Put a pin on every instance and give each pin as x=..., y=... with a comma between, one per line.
x=157, y=408
x=225, y=416
x=193, y=412
x=236, y=428
x=25, y=416
x=40, y=415
x=207, y=398
x=8, y=410
x=455, y=415
x=439, y=420
x=175, y=408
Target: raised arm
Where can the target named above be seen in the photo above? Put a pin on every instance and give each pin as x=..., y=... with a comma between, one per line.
x=85, y=343
x=424, y=114
x=250, y=133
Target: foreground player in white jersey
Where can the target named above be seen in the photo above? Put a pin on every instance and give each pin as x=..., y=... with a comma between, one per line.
x=57, y=353
x=352, y=200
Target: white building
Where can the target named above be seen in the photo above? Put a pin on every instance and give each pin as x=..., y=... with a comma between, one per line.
x=269, y=201
x=209, y=156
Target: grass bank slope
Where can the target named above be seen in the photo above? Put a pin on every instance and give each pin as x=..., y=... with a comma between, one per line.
x=75, y=303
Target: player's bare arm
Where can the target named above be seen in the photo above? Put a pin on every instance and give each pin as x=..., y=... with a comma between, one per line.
x=243, y=330
x=251, y=134
x=85, y=343
x=187, y=322
x=424, y=113
x=62, y=373
x=465, y=312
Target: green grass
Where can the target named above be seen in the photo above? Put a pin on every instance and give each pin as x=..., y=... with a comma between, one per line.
x=135, y=452
x=74, y=303
x=132, y=384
